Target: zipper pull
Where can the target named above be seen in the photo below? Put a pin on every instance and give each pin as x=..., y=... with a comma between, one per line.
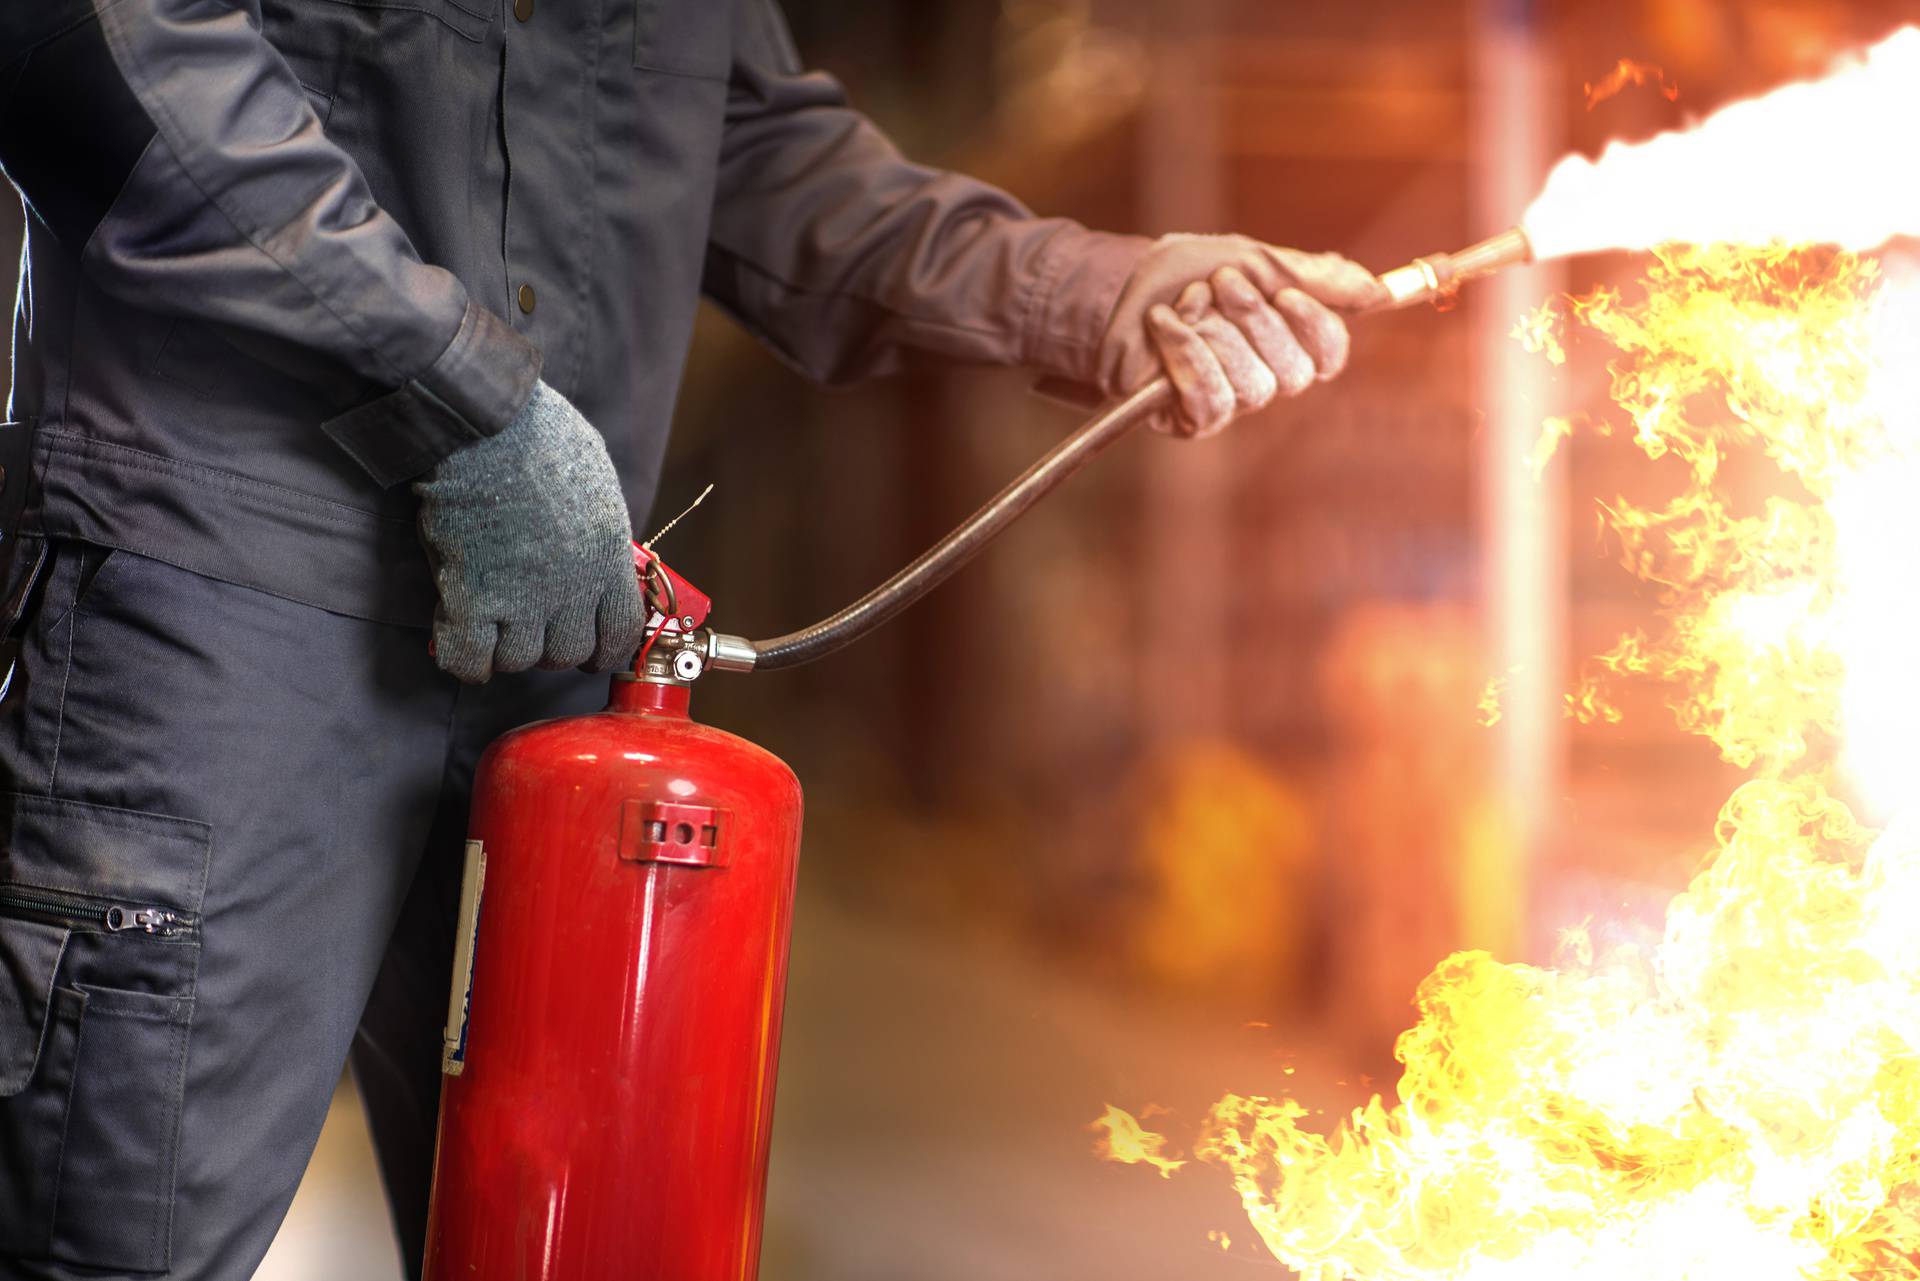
x=149, y=920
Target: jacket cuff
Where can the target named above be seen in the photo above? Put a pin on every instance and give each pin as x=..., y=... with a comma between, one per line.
x=476, y=387
x=1081, y=275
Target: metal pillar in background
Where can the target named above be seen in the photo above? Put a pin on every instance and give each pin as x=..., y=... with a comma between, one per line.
x=1187, y=499
x=1523, y=572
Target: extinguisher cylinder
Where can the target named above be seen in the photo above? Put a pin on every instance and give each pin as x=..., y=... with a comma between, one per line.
x=613, y=1103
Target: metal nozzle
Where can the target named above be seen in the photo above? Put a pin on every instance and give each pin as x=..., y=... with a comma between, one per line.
x=1425, y=279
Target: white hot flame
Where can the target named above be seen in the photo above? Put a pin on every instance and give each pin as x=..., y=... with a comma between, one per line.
x=1876, y=516
x=1805, y=164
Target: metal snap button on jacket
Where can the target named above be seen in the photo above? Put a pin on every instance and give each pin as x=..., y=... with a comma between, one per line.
x=526, y=299
x=523, y=9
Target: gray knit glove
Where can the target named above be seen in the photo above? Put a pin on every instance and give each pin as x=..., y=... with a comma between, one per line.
x=531, y=551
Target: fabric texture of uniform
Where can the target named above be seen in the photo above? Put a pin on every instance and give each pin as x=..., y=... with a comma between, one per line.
x=283, y=255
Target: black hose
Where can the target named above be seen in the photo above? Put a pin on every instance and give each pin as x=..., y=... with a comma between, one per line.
x=938, y=562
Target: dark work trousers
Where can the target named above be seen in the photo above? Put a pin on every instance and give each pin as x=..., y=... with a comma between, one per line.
x=234, y=827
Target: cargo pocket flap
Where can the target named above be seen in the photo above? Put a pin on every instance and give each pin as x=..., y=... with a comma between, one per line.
x=139, y=858
x=30, y=954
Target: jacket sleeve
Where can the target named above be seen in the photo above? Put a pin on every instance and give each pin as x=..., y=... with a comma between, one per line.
x=840, y=254
x=171, y=151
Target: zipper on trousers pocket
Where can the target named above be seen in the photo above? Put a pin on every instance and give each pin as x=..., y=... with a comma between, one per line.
x=83, y=911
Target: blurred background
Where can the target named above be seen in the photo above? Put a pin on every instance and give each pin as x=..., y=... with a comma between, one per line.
x=1185, y=785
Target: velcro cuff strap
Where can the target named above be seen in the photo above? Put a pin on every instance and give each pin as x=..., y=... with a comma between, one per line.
x=476, y=387
x=401, y=434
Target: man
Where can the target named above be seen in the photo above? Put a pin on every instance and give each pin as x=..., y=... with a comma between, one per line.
x=324, y=308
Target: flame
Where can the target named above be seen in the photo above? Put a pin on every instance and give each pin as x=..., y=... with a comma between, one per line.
x=1548, y=444
x=1589, y=706
x=1489, y=708
x=1537, y=333
x=1125, y=1140
x=1807, y=163
x=1741, y=1100
x=1628, y=72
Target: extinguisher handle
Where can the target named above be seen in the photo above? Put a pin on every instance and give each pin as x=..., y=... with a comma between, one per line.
x=938, y=562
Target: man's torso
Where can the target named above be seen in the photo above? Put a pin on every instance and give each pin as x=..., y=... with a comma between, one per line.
x=558, y=156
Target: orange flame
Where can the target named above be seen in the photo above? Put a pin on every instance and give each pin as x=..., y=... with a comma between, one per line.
x=1741, y=1101
x=1628, y=72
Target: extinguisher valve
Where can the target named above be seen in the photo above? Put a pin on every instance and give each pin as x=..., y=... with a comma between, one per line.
x=680, y=658
x=678, y=649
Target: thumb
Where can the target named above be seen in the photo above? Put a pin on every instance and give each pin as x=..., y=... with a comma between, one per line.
x=1329, y=278
x=620, y=624
x=463, y=648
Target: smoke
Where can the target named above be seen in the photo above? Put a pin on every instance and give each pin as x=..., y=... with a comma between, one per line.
x=1809, y=163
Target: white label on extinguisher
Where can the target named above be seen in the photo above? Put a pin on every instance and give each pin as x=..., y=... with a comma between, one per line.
x=453, y=1052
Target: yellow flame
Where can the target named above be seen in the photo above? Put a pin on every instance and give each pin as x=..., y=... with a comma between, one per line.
x=1741, y=1101
x=1124, y=1139
x=1490, y=701
x=1589, y=706
x=1808, y=163
x=1538, y=332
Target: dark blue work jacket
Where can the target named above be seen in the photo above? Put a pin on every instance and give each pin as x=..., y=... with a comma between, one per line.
x=284, y=255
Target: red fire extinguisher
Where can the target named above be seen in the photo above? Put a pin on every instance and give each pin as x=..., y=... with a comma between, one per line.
x=610, y=1080
x=614, y=1029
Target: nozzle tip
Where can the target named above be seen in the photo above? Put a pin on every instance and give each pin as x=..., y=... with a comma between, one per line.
x=1425, y=279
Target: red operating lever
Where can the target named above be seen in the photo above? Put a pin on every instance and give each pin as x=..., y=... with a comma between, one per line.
x=676, y=604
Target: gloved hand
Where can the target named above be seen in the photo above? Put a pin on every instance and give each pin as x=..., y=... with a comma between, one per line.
x=1233, y=323
x=531, y=549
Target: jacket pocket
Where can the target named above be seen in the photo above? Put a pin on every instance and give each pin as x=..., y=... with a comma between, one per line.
x=99, y=952
x=467, y=18
x=683, y=37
